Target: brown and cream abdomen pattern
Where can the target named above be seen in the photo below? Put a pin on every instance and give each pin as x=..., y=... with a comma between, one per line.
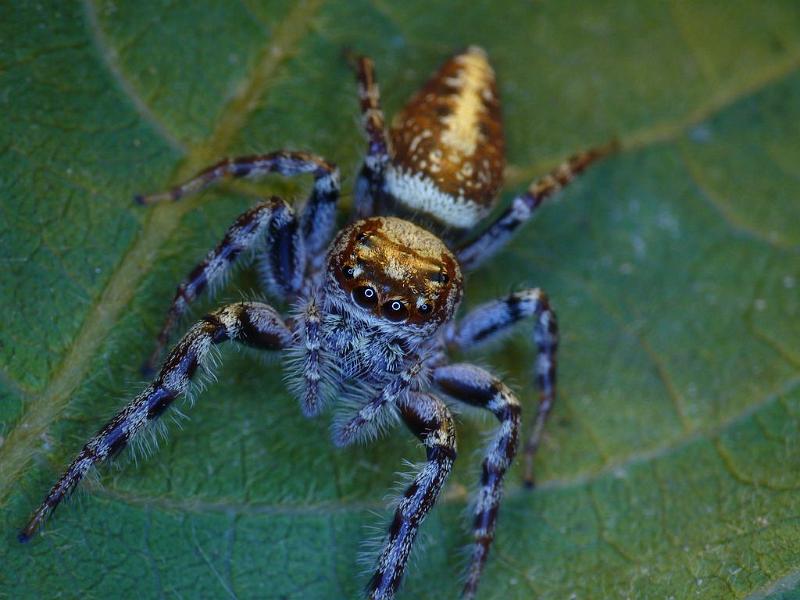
x=448, y=146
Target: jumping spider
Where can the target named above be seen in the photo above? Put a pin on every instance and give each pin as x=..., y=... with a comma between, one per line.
x=374, y=317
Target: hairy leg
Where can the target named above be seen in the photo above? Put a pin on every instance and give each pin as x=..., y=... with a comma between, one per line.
x=430, y=421
x=270, y=223
x=494, y=319
x=364, y=422
x=524, y=206
x=251, y=323
x=477, y=387
x=319, y=213
x=370, y=179
x=308, y=351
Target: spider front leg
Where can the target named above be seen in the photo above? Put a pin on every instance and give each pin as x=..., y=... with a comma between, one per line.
x=472, y=385
x=251, y=323
x=491, y=321
x=367, y=420
x=430, y=421
x=270, y=227
x=523, y=207
x=370, y=179
x=308, y=353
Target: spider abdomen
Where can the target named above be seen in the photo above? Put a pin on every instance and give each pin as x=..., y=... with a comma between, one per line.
x=447, y=145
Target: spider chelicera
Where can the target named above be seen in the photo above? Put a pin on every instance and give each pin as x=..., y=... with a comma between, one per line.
x=375, y=306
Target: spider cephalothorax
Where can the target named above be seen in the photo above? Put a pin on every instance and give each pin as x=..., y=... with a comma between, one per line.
x=374, y=314
x=397, y=271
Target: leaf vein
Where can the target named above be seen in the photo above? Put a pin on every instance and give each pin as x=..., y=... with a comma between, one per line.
x=732, y=220
x=109, y=56
x=654, y=358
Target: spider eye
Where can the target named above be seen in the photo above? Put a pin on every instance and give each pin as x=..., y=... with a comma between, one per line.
x=425, y=309
x=349, y=272
x=365, y=296
x=394, y=310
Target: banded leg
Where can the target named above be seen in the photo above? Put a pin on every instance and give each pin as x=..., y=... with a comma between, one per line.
x=493, y=319
x=249, y=323
x=430, y=421
x=309, y=389
x=367, y=419
x=271, y=223
x=370, y=179
x=524, y=206
x=473, y=385
x=320, y=209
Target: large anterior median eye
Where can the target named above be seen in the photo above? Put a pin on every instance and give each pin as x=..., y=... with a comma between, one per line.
x=365, y=296
x=394, y=310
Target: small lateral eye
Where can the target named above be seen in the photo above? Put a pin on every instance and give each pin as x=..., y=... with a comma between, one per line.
x=425, y=308
x=365, y=296
x=394, y=310
x=349, y=272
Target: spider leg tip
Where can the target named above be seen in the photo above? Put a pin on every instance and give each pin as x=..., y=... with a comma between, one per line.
x=139, y=199
x=529, y=484
x=23, y=536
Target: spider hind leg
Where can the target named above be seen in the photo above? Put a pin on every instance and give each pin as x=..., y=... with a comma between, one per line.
x=370, y=179
x=524, y=206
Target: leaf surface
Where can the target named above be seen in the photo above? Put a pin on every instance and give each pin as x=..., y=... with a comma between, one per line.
x=671, y=465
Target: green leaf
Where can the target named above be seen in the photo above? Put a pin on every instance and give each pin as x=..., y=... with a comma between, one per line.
x=671, y=465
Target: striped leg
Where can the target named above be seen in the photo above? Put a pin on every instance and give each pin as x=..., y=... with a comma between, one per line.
x=473, y=385
x=250, y=323
x=370, y=179
x=320, y=209
x=271, y=223
x=368, y=419
x=523, y=207
x=310, y=396
x=490, y=321
x=429, y=419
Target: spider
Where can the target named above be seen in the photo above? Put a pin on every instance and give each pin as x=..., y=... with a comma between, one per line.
x=374, y=316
